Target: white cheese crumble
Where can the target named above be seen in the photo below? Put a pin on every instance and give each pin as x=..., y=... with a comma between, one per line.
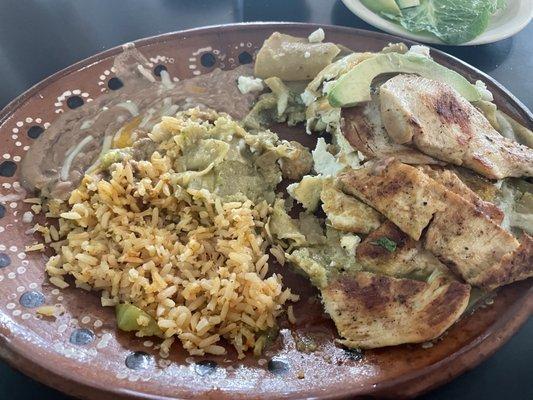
x=247, y=84
x=27, y=217
x=420, y=50
x=307, y=54
x=349, y=243
x=307, y=97
x=327, y=86
x=485, y=93
x=324, y=162
x=317, y=36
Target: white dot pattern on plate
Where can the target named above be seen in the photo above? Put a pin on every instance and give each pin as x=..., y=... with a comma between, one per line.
x=121, y=375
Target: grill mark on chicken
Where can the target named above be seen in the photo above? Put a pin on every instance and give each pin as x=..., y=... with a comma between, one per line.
x=451, y=112
x=376, y=295
x=443, y=302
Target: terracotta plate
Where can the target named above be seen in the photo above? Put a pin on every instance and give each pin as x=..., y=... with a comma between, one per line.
x=81, y=352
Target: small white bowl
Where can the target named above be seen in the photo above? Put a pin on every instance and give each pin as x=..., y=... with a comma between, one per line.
x=503, y=24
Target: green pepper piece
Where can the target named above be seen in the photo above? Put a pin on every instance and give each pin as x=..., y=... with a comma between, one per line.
x=127, y=315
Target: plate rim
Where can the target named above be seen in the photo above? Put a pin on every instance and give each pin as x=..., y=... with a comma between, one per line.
x=80, y=386
x=359, y=9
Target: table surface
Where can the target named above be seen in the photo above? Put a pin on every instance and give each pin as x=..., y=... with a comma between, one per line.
x=38, y=38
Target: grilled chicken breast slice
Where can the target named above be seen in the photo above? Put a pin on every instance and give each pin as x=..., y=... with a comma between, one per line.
x=372, y=311
x=437, y=120
x=408, y=258
x=475, y=247
x=347, y=213
x=457, y=232
x=515, y=266
x=405, y=195
x=453, y=183
x=363, y=128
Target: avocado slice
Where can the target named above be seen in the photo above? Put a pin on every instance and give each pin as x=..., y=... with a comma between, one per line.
x=382, y=6
x=354, y=87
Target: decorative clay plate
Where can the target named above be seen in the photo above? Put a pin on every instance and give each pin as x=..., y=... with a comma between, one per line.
x=83, y=354
x=502, y=25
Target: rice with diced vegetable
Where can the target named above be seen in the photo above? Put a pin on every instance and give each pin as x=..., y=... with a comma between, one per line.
x=178, y=261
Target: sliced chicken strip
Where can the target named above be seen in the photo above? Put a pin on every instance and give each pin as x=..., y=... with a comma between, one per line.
x=476, y=248
x=457, y=232
x=437, y=120
x=511, y=268
x=346, y=213
x=402, y=193
x=363, y=128
x=452, y=182
x=372, y=311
